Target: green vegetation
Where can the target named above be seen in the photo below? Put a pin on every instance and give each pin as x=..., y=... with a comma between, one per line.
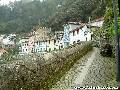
x=21, y=17
x=10, y=55
x=112, y=74
x=110, y=33
x=109, y=21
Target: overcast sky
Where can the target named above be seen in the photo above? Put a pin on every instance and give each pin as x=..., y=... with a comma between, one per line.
x=6, y=1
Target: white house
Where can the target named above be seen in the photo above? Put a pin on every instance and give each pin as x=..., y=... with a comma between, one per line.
x=9, y=39
x=67, y=28
x=30, y=46
x=24, y=48
x=40, y=46
x=59, y=44
x=51, y=44
x=82, y=33
x=75, y=32
x=27, y=45
x=59, y=40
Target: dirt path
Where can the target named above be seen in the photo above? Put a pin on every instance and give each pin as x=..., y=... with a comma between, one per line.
x=77, y=74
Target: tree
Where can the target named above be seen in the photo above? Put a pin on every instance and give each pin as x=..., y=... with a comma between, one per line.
x=22, y=17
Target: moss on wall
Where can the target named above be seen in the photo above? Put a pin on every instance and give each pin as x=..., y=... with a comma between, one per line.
x=41, y=76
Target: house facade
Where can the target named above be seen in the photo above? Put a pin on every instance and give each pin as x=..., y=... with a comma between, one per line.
x=82, y=33
x=41, y=39
x=75, y=32
x=67, y=28
x=31, y=44
x=23, y=46
x=59, y=44
x=37, y=42
x=59, y=40
x=51, y=44
x=40, y=46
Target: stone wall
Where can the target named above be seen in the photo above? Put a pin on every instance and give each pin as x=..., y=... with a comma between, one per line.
x=39, y=74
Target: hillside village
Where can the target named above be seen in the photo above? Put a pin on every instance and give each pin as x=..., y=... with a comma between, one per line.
x=42, y=40
x=59, y=44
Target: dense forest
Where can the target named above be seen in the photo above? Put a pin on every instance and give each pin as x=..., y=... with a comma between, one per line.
x=19, y=17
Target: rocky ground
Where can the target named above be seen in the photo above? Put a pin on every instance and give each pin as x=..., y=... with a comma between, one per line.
x=91, y=70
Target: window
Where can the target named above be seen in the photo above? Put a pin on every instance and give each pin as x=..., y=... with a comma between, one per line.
x=40, y=43
x=91, y=36
x=38, y=50
x=26, y=44
x=73, y=33
x=49, y=49
x=22, y=44
x=37, y=43
x=85, y=33
x=54, y=42
x=44, y=49
x=86, y=38
x=78, y=31
x=54, y=48
x=62, y=46
x=78, y=41
x=49, y=41
x=74, y=42
x=32, y=50
x=35, y=50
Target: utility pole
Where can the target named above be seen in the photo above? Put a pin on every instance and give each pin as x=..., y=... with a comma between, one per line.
x=119, y=6
x=117, y=40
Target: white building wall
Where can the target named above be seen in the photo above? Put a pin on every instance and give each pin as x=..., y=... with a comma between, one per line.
x=72, y=27
x=81, y=35
x=8, y=41
x=24, y=49
x=73, y=38
x=23, y=46
x=50, y=46
x=68, y=38
x=59, y=44
x=40, y=47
